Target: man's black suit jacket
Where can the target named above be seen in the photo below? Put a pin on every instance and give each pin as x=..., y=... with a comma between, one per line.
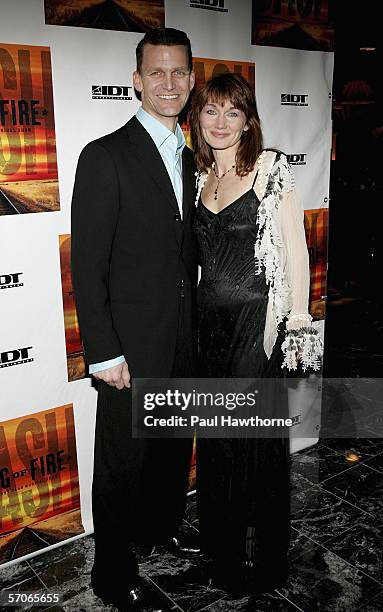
x=132, y=255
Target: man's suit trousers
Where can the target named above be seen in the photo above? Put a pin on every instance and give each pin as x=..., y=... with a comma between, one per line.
x=139, y=485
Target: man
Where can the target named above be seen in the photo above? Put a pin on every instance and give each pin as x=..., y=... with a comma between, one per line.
x=134, y=275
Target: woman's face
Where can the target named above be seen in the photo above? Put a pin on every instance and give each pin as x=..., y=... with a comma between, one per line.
x=222, y=124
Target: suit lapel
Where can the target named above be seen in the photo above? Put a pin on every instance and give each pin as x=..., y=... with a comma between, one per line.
x=147, y=152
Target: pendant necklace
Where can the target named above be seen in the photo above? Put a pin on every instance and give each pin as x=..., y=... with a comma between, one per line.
x=219, y=178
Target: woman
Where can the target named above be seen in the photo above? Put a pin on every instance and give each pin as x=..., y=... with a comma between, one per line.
x=255, y=274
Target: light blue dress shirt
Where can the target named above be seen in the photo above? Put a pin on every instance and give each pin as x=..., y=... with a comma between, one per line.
x=170, y=146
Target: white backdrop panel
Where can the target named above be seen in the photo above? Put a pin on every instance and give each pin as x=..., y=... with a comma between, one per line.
x=213, y=33
x=298, y=129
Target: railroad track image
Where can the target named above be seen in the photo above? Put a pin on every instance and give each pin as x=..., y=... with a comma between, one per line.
x=20, y=197
x=24, y=541
x=28, y=540
x=109, y=15
x=40, y=535
x=7, y=207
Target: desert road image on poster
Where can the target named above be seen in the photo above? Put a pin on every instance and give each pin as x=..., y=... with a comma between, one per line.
x=123, y=15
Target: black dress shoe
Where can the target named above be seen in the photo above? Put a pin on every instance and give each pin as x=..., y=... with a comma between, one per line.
x=135, y=598
x=174, y=546
x=230, y=578
x=132, y=602
x=241, y=578
x=266, y=583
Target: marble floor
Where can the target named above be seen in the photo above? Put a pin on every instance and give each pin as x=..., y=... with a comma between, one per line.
x=336, y=554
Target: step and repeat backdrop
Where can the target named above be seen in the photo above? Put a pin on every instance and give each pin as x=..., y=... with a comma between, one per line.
x=65, y=79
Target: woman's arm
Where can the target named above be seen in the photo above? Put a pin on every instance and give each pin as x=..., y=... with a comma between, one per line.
x=302, y=343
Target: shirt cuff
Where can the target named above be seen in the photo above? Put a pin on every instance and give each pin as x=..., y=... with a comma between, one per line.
x=104, y=365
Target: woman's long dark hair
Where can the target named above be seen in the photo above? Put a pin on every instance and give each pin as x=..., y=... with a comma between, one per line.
x=235, y=88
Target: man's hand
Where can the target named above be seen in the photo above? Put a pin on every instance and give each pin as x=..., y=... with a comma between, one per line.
x=118, y=376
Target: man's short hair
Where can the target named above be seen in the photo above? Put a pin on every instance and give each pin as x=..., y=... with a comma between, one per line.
x=164, y=36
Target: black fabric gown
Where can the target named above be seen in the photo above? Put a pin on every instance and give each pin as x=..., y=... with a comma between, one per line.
x=242, y=484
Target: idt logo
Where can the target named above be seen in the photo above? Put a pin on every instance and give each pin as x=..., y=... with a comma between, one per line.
x=15, y=357
x=7, y=281
x=111, y=92
x=212, y=5
x=297, y=159
x=289, y=99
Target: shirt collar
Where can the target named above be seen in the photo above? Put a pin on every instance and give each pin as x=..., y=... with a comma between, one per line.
x=158, y=131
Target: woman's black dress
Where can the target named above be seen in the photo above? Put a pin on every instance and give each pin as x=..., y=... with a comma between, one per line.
x=242, y=484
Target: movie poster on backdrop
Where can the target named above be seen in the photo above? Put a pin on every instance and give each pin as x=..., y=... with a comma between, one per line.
x=123, y=15
x=39, y=485
x=294, y=24
x=74, y=348
x=316, y=227
x=28, y=164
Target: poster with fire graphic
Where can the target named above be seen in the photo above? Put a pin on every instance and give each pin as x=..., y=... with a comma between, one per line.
x=123, y=15
x=74, y=349
x=39, y=485
x=206, y=68
x=294, y=24
x=316, y=227
x=28, y=164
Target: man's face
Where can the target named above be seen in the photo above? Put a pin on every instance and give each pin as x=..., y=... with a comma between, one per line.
x=165, y=82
